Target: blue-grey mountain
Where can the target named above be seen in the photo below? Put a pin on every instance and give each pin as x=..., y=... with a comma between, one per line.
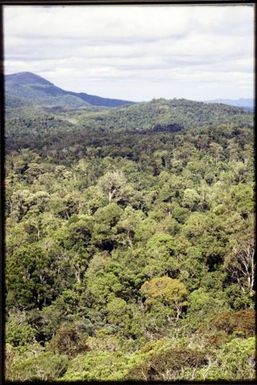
x=26, y=88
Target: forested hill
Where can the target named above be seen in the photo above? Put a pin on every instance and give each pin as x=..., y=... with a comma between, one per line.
x=26, y=88
x=165, y=115
x=36, y=127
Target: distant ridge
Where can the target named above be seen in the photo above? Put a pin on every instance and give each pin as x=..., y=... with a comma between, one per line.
x=242, y=102
x=27, y=88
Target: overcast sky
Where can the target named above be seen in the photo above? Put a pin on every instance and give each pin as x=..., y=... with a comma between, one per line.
x=135, y=52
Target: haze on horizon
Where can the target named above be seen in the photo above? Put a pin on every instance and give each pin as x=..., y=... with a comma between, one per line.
x=135, y=52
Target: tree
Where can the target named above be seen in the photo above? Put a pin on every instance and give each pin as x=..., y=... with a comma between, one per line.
x=128, y=223
x=170, y=292
x=112, y=184
x=191, y=199
x=30, y=278
x=240, y=263
x=162, y=254
x=106, y=219
x=119, y=314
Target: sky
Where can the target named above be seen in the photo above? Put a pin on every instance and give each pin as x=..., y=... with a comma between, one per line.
x=136, y=52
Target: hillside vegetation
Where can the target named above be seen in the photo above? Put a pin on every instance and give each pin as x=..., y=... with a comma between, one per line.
x=130, y=243
x=73, y=128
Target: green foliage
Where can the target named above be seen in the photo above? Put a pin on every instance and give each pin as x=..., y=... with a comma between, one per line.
x=30, y=278
x=234, y=362
x=191, y=199
x=129, y=243
x=116, y=310
x=168, y=291
x=202, y=305
x=18, y=331
x=98, y=366
x=44, y=367
x=168, y=365
x=237, y=298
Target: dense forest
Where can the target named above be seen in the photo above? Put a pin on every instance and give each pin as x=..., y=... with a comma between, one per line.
x=130, y=242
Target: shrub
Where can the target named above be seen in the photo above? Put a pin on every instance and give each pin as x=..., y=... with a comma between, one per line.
x=235, y=361
x=19, y=332
x=168, y=365
x=217, y=339
x=241, y=322
x=45, y=366
x=103, y=343
x=68, y=341
x=98, y=366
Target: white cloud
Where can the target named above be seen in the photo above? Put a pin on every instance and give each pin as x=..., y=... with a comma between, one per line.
x=96, y=22
x=135, y=52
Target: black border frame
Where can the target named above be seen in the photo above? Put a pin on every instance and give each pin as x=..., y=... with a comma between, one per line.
x=2, y=165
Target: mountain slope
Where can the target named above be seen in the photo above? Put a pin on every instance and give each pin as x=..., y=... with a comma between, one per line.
x=26, y=88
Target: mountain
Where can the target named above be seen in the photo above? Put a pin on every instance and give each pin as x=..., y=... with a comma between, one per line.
x=244, y=103
x=25, y=88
